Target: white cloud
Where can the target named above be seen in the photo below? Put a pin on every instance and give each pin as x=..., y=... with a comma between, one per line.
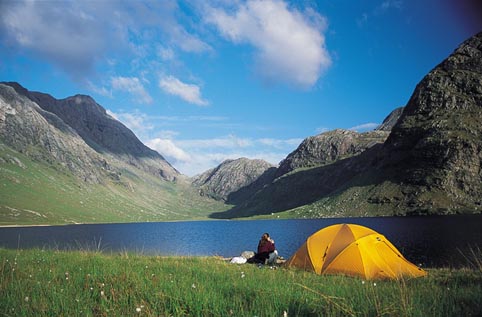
x=77, y=35
x=365, y=127
x=169, y=150
x=290, y=44
x=320, y=130
x=194, y=156
x=166, y=53
x=133, y=86
x=208, y=153
x=188, y=92
x=65, y=33
x=137, y=122
x=228, y=142
x=280, y=144
x=98, y=90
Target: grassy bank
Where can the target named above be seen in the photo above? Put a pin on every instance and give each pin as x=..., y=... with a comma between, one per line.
x=54, y=283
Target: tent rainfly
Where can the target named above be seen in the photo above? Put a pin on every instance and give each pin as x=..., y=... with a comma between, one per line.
x=353, y=250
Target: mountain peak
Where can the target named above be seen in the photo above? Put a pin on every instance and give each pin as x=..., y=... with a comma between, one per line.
x=230, y=176
x=100, y=131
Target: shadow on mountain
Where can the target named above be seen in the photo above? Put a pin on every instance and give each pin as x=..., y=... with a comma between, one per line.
x=304, y=187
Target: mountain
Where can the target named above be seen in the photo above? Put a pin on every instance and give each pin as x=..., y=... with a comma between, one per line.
x=43, y=136
x=101, y=132
x=329, y=147
x=230, y=176
x=429, y=164
x=68, y=161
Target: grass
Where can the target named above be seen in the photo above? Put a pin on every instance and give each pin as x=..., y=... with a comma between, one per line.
x=58, y=283
x=33, y=193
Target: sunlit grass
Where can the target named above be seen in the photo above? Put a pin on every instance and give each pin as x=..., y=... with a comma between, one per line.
x=33, y=193
x=53, y=283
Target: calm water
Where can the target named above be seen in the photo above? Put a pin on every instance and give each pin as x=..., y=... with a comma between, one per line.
x=430, y=241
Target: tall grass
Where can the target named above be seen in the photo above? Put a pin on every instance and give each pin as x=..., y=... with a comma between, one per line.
x=85, y=283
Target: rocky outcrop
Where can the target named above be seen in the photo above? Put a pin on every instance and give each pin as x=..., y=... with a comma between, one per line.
x=230, y=176
x=330, y=147
x=436, y=146
x=101, y=132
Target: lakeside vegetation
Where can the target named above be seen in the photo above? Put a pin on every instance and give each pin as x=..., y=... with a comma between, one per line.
x=59, y=283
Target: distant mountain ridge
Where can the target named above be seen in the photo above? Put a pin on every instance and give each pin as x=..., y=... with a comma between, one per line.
x=230, y=176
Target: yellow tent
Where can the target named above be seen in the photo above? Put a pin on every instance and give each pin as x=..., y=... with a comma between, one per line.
x=353, y=250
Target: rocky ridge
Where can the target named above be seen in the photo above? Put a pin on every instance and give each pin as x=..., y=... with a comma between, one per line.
x=230, y=176
x=331, y=146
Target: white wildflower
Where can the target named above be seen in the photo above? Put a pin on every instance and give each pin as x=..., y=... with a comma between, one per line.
x=374, y=284
x=193, y=285
x=26, y=298
x=138, y=309
x=102, y=293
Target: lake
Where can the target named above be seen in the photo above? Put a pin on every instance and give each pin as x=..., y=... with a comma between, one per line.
x=430, y=241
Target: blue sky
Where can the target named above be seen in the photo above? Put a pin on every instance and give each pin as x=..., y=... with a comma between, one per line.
x=203, y=81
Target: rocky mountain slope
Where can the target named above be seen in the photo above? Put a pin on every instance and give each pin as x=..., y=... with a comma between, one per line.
x=434, y=152
x=429, y=164
x=230, y=176
x=43, y=136
x=69, y=161
x=331, y=146
x=101, y=132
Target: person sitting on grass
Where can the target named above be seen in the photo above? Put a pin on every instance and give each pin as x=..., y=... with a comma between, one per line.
x=266, y=251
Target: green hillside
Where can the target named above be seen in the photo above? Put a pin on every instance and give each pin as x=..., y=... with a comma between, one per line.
x=37, y=193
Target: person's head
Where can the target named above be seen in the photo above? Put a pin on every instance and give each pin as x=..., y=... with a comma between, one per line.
x=265, y=236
